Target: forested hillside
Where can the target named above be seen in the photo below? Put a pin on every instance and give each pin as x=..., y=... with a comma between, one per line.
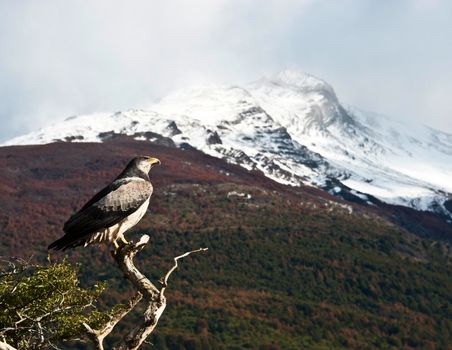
x=287, y=267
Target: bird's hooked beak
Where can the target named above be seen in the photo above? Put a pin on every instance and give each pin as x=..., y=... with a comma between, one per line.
x=154, y=161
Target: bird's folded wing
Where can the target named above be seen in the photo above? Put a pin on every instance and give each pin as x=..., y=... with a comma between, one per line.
x=127, y=196
x=110, y=206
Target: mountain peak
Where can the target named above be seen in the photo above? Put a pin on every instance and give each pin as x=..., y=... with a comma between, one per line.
x=294, y=76
x=299, y=80
x=292, y=127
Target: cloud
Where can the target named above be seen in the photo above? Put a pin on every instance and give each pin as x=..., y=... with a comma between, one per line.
x=64, y=58
x=425, y=5
x=70, y=57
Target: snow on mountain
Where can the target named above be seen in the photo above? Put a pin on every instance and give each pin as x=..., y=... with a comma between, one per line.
x=292, y=127
x=397, y=163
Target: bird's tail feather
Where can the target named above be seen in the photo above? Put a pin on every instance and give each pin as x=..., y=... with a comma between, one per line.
x=66, y=242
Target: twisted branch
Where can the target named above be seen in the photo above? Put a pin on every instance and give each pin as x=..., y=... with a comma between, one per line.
x=98, y=336
x=5, y=346
x=154, y=298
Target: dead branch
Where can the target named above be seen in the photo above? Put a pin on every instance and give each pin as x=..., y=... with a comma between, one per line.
x=154, y=298
x=4, y=346
x=98, y=336
x=164, y=280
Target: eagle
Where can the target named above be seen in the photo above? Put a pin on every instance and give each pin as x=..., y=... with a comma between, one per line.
x=111, y=212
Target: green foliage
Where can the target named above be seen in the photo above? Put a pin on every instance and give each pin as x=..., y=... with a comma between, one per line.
x=43, y=304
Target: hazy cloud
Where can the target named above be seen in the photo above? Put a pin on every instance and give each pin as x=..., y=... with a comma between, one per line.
x=60, y=58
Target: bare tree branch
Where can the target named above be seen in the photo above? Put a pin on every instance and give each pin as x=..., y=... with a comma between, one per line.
x=5, y=346
x=164, y=280
x=98, y=336
x=154, y=298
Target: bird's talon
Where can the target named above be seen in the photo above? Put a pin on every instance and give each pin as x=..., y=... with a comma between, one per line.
x=123, y=240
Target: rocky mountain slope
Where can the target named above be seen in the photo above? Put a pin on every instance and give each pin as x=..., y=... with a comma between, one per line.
x=293, y=128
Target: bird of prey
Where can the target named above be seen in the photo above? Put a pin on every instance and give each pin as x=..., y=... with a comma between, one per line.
x=112, y=211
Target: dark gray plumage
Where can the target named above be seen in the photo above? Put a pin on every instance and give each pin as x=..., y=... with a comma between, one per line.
x=113, y=210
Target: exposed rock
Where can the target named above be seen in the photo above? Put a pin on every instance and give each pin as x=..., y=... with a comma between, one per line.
x=173, y=129
x=73, y=138
x=213, y=138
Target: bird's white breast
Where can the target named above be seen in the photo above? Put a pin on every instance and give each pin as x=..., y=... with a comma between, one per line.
x=114, y=232
x=133, y=218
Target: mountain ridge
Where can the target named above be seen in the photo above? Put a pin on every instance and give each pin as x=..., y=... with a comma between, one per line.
x=292, y=127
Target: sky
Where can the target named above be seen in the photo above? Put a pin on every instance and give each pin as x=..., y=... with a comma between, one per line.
x=61, y=58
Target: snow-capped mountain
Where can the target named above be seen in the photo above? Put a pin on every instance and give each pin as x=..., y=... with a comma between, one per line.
x=292, y=127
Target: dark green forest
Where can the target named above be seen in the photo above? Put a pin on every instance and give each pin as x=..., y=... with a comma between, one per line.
x=283, y=273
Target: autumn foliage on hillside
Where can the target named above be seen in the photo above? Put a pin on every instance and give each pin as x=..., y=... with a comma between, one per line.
x=287, y=267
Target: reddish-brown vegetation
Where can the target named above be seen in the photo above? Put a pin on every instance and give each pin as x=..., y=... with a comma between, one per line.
x=287, y=268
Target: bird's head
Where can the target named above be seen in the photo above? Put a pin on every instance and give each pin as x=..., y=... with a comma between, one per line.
x=145, y=163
